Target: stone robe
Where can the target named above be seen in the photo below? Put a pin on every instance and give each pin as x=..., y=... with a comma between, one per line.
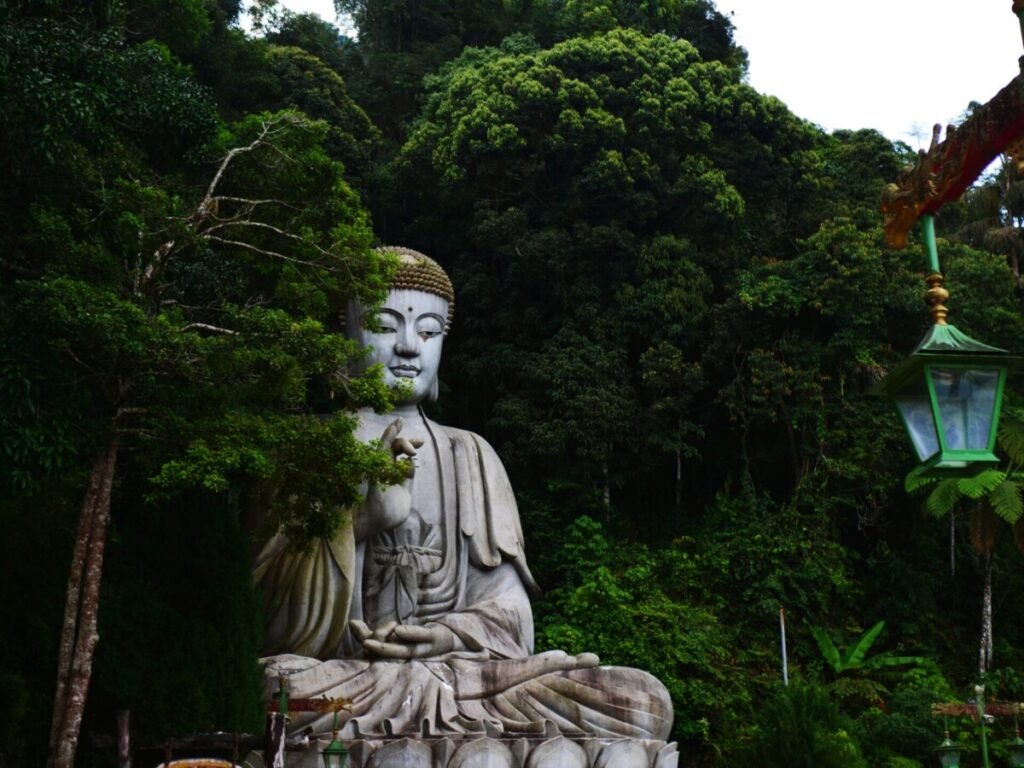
x=460, y=564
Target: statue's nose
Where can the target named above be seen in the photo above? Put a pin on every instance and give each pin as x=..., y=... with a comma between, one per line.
x=408, y=342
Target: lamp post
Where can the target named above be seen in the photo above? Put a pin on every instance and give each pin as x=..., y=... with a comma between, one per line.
x=949, y=391
x=979, y=701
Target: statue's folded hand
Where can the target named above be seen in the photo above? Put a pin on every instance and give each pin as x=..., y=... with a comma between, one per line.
x=404, y=641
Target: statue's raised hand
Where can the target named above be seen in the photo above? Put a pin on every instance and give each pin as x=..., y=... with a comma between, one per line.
x=401, y=448
x=387, y=508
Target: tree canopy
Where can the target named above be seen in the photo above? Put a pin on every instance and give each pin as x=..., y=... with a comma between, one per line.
x=674, y=299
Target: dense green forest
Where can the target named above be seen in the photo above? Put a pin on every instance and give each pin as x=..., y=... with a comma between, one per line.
x=673, y=299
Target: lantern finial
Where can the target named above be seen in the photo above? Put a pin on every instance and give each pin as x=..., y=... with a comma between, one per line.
x=936, y=297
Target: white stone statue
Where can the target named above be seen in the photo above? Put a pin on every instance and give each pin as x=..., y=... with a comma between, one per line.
x=418, y=609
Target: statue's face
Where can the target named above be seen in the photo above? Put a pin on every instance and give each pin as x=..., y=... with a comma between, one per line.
x=405, y=337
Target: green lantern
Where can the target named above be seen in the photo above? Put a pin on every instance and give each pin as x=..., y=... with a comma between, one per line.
x=949, y=394
x=950, y=391
x=335, y=755
x=948, y=753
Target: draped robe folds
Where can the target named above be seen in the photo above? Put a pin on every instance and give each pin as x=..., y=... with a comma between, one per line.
x=465, y=571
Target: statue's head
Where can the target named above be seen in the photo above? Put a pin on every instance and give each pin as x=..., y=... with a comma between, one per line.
x=407, y=332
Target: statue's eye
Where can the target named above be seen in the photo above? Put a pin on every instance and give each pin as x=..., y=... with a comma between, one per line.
x=382, y=323
x=428, y=327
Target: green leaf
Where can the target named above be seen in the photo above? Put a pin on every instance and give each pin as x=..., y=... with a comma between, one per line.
x=1006, y=501
x=914, y=482
x=944, y=498
x=828, y=648
x=856, y=654
x=981, y=484
x=888, y=660
x=1011, y=435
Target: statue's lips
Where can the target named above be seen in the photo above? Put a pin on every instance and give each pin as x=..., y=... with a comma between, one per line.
x=405, y=371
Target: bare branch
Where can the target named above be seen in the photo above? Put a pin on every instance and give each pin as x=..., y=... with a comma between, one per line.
x=254, y=203
x=208, y=327
x=272, y=254
x=154, y=267
x=208, y=208
x=231, y=155
x=270, y=128
x=270, y=228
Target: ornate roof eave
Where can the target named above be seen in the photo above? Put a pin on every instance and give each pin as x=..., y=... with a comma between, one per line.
x=943, y=172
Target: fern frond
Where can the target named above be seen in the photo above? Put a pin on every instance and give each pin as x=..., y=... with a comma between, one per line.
x=1006, y=501
x=1011, y=434
x=981, y=484
x=913, y=483
x=943, y=498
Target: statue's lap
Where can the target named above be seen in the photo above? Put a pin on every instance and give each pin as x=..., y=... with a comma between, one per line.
x=460, y=696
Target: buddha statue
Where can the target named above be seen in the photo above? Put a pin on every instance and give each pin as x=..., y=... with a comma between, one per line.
x=418, y=610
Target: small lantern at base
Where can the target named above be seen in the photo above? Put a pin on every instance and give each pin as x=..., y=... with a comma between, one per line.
x=1016, y=750
x=335, y=755
x=949, y=753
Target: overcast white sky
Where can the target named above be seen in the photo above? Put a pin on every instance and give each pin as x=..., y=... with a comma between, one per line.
x=895, y=65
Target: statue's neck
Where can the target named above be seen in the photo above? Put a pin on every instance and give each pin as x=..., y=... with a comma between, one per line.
x=408, y=411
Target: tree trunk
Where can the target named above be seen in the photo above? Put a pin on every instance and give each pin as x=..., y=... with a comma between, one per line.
x=124, y=739
x=985, y=645
x=66, y=648
x=78, y=634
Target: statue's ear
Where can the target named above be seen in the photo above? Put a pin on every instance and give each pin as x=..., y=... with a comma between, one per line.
x=433, y=394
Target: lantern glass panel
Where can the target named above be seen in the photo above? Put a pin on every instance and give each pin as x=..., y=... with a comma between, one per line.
x=916, y=409
x=966, y=398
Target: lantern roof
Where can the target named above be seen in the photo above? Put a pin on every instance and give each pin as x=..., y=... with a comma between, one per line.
x=943, y=344
x=948, y=339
